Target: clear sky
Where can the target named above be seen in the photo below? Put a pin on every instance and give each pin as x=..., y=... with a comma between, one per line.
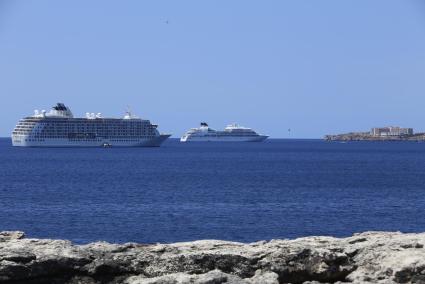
x=316, y=67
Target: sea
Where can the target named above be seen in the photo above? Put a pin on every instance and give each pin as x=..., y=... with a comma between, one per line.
x=245, y=192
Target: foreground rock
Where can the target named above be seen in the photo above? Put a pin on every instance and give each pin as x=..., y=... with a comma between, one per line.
x=372, y=257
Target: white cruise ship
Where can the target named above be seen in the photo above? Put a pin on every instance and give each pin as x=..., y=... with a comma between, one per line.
x=232, y=133
x=59, y=128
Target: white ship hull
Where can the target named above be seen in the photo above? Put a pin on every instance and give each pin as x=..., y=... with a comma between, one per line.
x=258, y=138
x=23, y=141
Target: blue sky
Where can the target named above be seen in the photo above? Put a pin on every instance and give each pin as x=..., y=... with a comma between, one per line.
x=316, y=67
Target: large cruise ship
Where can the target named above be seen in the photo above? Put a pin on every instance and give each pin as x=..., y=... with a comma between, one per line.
x=232, y=133
x=59, y=128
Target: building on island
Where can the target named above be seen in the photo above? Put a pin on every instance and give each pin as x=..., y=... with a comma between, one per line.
x=391, y=131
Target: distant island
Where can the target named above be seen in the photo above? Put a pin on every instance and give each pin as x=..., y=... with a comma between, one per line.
x=389, y=133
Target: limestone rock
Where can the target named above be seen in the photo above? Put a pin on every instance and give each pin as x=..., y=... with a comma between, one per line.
x=371, y=257
x=11, y=235
x=211, y=277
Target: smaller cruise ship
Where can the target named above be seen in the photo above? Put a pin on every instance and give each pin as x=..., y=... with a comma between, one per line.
x=232, y=133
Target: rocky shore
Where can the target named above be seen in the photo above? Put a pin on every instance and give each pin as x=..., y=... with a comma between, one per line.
x=371, y=257
x=366, y=136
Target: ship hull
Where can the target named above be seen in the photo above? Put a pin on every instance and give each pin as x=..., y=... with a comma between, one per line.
x=63, y=142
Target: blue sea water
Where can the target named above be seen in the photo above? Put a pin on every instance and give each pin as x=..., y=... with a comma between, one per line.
x=233, y=191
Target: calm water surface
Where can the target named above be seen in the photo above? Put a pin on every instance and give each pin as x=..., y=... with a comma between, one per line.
x=233, y=191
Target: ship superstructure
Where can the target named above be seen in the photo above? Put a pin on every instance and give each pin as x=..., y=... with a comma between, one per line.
x=232, y=133
x=59, y=128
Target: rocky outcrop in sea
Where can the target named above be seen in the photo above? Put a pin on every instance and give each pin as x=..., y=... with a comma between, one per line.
x=366, y=136
x=371, y=257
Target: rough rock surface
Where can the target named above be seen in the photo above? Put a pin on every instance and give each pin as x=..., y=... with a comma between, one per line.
x=371, y=257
